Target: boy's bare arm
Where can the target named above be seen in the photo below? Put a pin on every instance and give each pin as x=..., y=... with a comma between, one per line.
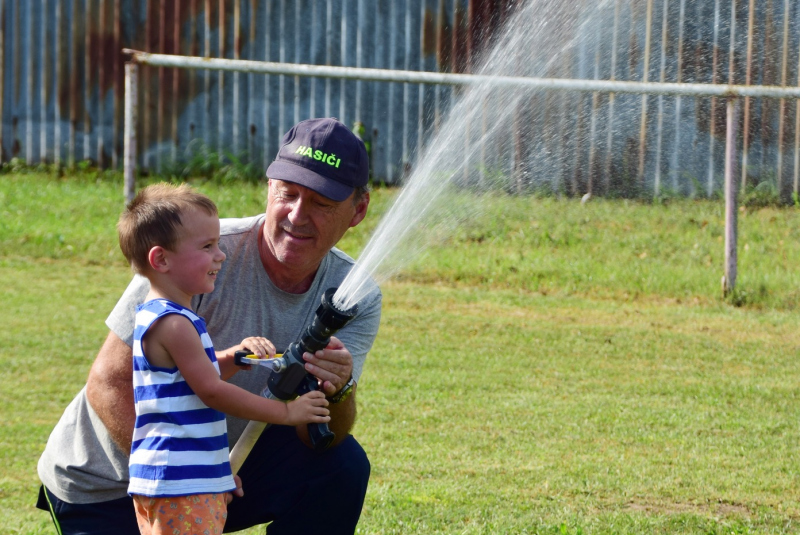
x=109, y=389
x=176, y=335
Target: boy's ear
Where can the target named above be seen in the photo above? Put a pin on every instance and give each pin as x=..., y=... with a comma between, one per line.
x=158, y=259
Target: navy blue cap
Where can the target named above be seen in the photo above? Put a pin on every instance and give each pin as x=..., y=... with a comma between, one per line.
x=322, y=155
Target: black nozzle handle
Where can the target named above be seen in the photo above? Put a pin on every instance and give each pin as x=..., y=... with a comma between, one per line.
x=320, y=434
x=238, y=356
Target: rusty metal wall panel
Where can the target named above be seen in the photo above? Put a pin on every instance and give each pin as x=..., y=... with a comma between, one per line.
x=61, y=89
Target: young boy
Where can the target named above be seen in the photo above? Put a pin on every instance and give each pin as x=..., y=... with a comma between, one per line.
x=179, y=468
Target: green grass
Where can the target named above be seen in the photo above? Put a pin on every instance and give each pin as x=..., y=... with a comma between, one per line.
x=551, y=368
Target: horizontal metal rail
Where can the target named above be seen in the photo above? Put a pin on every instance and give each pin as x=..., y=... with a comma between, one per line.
x=437, y=78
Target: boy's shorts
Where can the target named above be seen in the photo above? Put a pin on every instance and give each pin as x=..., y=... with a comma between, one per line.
x=197, y=514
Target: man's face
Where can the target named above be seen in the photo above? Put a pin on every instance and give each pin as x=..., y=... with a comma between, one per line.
x=302, y=225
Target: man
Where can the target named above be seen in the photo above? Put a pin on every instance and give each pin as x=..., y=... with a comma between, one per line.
x=278, y=266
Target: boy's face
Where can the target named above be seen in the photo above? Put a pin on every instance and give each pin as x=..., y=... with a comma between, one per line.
x=197, y=258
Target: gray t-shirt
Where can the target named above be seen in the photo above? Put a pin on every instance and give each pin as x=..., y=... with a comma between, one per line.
x=81, y=464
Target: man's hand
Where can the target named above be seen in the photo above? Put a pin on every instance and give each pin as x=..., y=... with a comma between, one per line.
x=333, y=366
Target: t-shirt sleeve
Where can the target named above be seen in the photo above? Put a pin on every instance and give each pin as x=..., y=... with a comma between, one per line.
x=122, y=318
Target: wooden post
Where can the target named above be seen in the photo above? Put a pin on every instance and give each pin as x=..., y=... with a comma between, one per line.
x=129, y=132
x=731, y=197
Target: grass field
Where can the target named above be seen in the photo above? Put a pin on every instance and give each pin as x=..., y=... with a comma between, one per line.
x=552, y=368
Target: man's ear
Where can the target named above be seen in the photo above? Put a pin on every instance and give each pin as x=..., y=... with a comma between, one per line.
x=361, y=210
x=157, y=259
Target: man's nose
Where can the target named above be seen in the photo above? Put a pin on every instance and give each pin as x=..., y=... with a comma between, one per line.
x=299, y=211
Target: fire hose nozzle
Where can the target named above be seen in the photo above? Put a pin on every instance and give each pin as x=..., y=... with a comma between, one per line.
x=291, y=378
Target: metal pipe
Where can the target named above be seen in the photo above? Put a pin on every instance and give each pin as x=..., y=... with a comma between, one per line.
x=456, y=79
x=129, y=135
x=731, y=195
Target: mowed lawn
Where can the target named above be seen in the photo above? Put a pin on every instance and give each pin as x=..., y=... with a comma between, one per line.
x=552, y=367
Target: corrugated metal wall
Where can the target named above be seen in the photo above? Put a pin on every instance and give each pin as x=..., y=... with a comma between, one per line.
x=62, y=80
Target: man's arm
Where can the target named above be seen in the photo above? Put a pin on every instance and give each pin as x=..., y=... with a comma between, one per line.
x=333, y=366
x=109, y=390
x=343, y=416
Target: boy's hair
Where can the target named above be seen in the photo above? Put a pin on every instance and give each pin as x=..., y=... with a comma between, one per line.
x=153, y=218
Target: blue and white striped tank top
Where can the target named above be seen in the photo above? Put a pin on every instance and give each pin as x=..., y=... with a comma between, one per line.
x=180, y=445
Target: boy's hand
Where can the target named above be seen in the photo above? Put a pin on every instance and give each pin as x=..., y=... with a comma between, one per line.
x=257, y=345
x=238, y=492
x=260, y=346
x=308, y=408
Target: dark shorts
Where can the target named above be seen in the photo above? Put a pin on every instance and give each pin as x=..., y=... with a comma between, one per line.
x=284, y=482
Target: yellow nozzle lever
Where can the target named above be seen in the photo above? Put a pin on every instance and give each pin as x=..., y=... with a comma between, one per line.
x=244, y=358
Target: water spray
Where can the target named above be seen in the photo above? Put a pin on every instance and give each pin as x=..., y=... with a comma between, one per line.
x=290, y=378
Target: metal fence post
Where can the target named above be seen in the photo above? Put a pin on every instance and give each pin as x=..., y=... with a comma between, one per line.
x=129, y=133
x=731, y=196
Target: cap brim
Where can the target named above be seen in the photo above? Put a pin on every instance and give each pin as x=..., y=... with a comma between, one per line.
x=289, y=172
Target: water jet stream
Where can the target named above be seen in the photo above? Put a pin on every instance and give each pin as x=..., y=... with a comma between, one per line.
x=453, y=172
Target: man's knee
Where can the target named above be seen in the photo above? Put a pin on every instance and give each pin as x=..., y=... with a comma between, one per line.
x=354, y=464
